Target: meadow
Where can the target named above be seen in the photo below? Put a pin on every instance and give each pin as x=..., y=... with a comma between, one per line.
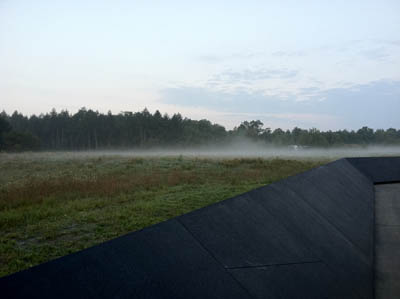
x=53, y=204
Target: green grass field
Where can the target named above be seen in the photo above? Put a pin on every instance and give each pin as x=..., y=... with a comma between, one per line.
x=55, y=204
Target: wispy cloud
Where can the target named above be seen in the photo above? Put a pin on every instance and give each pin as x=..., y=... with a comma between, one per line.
x=229, y=57
x=250, y=76
x=210, y=58
x=289, y=53
x=375, y=54
x=392, y=42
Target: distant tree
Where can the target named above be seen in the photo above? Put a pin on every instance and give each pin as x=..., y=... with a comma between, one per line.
x=252, y=129
x=366, y=135
x=392, y=136
x=18, y=141
x=5, y=128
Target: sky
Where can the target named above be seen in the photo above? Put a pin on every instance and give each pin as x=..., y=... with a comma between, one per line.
x=324, y=64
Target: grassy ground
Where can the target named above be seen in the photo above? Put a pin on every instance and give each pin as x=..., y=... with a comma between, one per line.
x=55, y=204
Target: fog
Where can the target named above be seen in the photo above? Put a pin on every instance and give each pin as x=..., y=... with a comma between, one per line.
x=234, y=150
x=262, y=152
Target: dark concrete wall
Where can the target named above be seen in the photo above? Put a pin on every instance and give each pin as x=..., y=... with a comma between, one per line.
x=379, y=169
x=387, y=241
x=308, y=236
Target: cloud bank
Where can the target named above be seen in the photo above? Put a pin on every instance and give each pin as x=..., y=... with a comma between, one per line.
x=375, y=104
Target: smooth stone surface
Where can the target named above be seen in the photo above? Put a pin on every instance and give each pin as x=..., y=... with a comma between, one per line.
x=353, y=269
x=301, y=281
x=239, y=232
x=387, y=241
x=348, y=208
x=387, y=204
x=378, y=169
x=162, y=261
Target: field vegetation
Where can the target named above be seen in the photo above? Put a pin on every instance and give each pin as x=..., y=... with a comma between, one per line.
x=55, y=204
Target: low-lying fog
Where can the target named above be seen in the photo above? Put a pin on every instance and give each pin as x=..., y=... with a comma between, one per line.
x=270, y=152
x=238, y=150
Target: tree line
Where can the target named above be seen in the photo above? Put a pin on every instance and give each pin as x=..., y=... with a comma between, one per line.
x=91, y=130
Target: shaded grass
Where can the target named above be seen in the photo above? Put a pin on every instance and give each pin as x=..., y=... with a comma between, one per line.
x=52, y=207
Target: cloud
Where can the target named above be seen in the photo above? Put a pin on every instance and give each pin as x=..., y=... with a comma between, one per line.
x=289, y=53
x=366, y=49
x=233, y=108
x=375, y=104
x=375, y=54
x=392, y=42
x=215, y=58
x=211, y=58
x=251, y=75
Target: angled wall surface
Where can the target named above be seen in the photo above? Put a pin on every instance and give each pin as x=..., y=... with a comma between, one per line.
x=379, y=170
x=308, y=236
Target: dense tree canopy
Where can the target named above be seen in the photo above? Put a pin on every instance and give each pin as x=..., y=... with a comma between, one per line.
x=91, y=130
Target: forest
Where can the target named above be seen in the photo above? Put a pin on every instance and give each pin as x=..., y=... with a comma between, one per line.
x=90, y=130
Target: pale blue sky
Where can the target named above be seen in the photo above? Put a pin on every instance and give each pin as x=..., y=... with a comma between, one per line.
x=324, y=64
